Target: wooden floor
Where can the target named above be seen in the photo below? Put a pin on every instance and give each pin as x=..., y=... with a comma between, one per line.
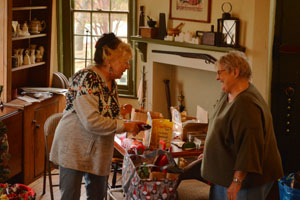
x=37, y=186
x=188, y=190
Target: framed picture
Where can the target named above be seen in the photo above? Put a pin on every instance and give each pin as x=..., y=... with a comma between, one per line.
x=190, y=10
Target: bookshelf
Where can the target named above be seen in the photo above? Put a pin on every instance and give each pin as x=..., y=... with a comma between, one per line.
x=20, y=72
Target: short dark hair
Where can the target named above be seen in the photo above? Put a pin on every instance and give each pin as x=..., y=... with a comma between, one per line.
x=109, y=40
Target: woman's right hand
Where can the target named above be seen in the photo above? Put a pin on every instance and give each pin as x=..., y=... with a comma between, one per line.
x=133, y=127
x=200, y=156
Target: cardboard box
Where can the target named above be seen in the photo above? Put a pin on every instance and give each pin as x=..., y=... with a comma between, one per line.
x=148, y=32
x=182, y=128
x=210, y=38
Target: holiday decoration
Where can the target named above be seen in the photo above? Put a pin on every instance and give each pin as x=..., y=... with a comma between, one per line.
x=4, y=155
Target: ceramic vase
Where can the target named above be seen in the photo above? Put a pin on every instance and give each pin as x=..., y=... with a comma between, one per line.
x=32, y=56
x=27, y=58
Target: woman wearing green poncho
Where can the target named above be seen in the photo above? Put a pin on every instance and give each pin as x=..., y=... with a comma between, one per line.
x=241, y=158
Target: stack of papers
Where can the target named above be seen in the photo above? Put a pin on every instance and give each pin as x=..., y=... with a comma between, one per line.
x=45, y=89
x=30, y=95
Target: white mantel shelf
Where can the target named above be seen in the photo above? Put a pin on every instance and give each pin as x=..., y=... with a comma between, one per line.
x=184, y=44
x=140, y=41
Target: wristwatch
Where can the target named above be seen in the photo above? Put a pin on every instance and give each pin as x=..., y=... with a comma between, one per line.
x=236, y=180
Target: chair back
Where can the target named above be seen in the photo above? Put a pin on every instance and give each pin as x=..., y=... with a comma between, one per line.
x=51, y=124
x=49, y=130
x=125, y=111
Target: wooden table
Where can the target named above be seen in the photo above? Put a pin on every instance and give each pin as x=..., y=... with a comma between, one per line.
x=176, y=151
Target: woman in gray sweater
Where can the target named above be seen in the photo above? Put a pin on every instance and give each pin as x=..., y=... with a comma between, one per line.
x=84, y=138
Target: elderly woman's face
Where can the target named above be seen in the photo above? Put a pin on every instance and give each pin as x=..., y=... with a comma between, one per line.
x=226, y=78
x=119, y=66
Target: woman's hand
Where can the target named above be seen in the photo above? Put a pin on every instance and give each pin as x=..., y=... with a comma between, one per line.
x=236, y=184
x=200, y=156
x=133, y=127
x=232, y=191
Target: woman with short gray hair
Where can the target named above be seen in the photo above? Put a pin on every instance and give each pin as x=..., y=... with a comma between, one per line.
x=236, y=59
x=241, y=158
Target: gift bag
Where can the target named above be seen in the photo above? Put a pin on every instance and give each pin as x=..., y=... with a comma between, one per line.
x=286, y=189
x=139, y=182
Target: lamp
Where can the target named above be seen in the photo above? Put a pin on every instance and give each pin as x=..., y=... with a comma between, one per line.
x=228, y=27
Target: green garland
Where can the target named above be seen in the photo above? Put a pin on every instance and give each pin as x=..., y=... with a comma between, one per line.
x=4, y=155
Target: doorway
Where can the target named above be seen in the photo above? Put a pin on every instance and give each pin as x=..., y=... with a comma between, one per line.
x=285, y=92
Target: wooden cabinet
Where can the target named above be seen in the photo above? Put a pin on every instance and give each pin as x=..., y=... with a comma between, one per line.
x=19, y=73
x=35, y=116
x=14, y=75
x=12, y=119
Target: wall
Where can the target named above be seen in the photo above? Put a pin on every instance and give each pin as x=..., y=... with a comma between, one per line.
x=255, y=35
x=195, y=89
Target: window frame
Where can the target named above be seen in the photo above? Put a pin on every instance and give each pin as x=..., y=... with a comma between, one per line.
x=66, y=34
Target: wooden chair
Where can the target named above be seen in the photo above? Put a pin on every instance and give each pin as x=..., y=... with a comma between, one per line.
x=49, y=130
x=125, y=111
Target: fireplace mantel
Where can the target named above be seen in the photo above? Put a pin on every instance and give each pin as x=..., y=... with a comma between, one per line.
x=175, y=54
x=142, y=46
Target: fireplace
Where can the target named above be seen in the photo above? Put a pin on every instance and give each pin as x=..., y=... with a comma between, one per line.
x=194, y=77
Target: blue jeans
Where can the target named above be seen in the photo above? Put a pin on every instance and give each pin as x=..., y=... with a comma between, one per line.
x=70, y=184
x=218, y=192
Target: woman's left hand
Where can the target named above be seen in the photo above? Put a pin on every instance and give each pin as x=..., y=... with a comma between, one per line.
x=232, y=191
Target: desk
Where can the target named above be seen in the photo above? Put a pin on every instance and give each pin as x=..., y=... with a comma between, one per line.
x=176, y=151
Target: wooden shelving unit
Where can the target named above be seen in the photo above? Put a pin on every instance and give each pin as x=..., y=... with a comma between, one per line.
x=29, y=37
x=32, y=75
x=31, y=164
x=29, y=8
x=27, y=66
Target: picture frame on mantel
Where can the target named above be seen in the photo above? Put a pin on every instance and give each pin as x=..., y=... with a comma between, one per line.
x=190, y=10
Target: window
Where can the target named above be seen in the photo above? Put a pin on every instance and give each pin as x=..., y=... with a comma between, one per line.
x=83, y=22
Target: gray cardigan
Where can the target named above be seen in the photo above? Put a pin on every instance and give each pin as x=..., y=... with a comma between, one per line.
x=84, y=139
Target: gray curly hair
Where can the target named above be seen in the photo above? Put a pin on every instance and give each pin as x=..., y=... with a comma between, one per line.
x=236, y=59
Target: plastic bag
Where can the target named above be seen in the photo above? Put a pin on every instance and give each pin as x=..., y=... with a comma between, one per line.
x=285, y=191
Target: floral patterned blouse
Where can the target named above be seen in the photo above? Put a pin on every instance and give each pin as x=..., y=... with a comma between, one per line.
x=88, y=82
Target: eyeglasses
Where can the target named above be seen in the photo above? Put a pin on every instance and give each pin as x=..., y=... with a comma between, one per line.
x=219, y=72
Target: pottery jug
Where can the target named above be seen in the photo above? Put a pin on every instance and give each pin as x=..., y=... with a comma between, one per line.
x=37, y=26
x=32, y=56
x=25, y=29
x=15, y=58
x=42, y=50
x=26, y=60
x=20, y=58
x=19, y=31
x=38, y=56
x=14, y=25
